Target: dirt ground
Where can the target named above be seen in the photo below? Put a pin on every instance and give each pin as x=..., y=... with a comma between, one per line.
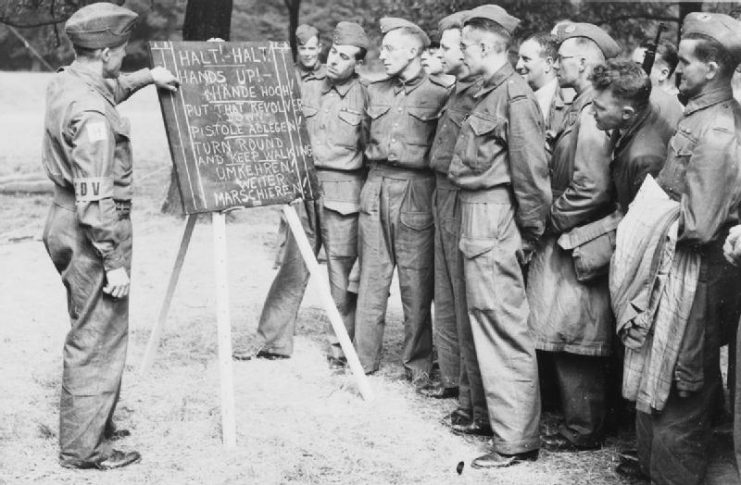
x=296, y=421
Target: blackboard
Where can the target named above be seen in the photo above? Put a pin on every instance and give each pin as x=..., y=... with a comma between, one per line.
x=235, y=127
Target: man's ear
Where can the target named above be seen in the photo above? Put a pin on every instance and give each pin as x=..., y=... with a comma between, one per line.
x=549, y=61
x=628, y=112
x=664, y=74
x=713, y=70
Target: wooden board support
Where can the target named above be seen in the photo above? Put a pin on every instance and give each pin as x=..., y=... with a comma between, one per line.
x=156, y=335
x=329, y=305
x=226, y=376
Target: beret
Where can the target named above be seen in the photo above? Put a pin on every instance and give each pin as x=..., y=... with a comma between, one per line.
x=392, y=23
x=350, y=33
x=100, y=25
x=305, y=32
x=723, y=28
x=495, y=13
x=607, y=44
x=452, y=21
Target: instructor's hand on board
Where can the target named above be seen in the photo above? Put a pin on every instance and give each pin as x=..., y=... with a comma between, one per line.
x=164, y=79
x=117, y=283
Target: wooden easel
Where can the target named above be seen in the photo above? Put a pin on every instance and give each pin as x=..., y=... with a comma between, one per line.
x=224, y=321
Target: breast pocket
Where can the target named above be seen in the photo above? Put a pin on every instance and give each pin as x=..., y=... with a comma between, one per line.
x=310, y=114
x=422, y=124
x=481, y=138
x=347, y=131
x=376, y=111
x=672, y=176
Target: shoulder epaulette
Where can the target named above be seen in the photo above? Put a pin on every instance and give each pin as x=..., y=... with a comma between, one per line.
x=91, y=101
x=517, y=88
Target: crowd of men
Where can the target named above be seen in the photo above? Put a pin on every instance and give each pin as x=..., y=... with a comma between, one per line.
x=493, y=190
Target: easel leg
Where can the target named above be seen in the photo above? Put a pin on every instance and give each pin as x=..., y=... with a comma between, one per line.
x=154, y=338
x=228, y=427
x=329, y=305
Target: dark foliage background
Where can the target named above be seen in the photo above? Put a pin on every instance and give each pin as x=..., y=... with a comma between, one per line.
x=41, y=21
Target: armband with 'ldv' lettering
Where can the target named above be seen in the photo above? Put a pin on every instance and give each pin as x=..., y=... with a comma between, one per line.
x=91, y=189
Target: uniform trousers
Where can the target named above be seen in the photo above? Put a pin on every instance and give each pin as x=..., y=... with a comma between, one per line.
x=338, y=233
x=95, y=347
x=582, y=382
x=498, y=311
x=396, y=231
x=456, y=350
x=673, y=444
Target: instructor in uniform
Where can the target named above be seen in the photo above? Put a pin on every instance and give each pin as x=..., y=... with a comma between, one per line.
x=87, y=155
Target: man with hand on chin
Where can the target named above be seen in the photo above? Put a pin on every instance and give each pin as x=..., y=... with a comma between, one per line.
x=87, y=155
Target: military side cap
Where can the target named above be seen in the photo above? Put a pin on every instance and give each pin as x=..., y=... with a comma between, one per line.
x=607, y=44
x=350, y=33
x=718, y=26
x=392, y=23
x=100, y=25
x=495, y=13
x=452, y=21
x=305, y=32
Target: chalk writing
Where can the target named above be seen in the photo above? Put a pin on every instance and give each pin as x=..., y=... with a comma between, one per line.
x=236, y=130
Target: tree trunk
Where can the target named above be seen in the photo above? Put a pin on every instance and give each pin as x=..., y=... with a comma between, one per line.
x=684, y=9
x=293, y=7
x=207, y=18
x=204, y=19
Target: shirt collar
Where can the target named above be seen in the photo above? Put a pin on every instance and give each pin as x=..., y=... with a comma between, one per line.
x=619, y=140
x=92, y=79
x=318, y=72
x=410, y=85
x=546, y=96
x=341, y=88
x=493, y=82
x=465, y=83
x=707, y=99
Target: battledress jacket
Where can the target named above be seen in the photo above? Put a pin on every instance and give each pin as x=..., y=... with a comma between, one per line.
x=87, y=151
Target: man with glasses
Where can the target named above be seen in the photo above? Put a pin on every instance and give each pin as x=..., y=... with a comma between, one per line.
x=501, y=170
x=396, y=223
x=572, y=321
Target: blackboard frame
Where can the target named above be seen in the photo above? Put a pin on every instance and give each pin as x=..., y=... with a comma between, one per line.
x=286, y=175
